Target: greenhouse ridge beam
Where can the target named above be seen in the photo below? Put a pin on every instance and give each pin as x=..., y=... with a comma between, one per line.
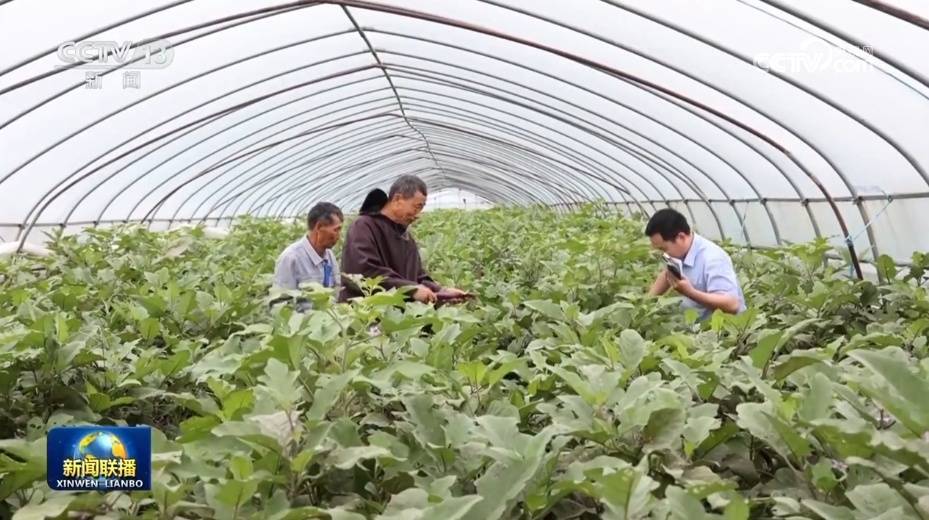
x=896, y=12
x=389, y=80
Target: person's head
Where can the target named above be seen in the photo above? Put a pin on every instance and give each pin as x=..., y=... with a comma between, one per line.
x=669, y=232
x=324, y=224
x=406, y=199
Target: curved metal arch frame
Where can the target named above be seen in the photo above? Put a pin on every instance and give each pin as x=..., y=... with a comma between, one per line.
x=501, y=181
x=811, y=92
x=610, y=70
x=847, y=37
x=302, y=67
x=222, y=112
x=267, y=13
x=679, y=104
x=508, y=187
x=588, y=111
x=827, y=196
x=323, y=177
x=188, y=111
x=337, y=168
x=262, y=147
x=162, y=91
x=533, y=152
x=390, y=80
x=672, y=170
x=263, y=180
x=496, y=180
x=896, y=12
x=276, y=122
x=501, y=155
x=238, y=176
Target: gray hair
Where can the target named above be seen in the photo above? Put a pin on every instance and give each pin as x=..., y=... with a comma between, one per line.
x=323, y=212
x=407, y=186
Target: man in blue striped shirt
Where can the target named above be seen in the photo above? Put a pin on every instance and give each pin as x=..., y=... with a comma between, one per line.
x=708, y=280
x=311, y=259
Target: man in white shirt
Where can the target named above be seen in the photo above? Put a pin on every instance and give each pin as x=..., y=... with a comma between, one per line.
x=708, y=280
x=311, y=259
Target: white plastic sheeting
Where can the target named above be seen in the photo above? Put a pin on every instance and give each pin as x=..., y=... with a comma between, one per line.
x=749, y=115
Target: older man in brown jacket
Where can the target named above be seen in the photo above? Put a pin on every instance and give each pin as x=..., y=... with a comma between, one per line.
x=378, y=244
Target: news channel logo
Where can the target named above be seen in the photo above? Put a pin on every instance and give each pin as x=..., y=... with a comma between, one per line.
x=106, y=54
x=105, y=458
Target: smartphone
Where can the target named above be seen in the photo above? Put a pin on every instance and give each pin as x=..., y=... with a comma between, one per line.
x=673, y=267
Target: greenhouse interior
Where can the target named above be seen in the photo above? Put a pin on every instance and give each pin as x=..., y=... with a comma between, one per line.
x=464, y=259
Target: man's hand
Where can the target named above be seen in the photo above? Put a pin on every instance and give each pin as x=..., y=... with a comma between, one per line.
x=424, y=294
x=726, y=302
x=454, y=293
x=681, y=285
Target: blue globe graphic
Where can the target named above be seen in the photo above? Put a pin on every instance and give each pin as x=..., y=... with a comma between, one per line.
x=100, y=445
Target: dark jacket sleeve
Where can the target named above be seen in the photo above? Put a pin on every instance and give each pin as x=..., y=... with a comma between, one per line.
x=427, y=280
x=363, y=257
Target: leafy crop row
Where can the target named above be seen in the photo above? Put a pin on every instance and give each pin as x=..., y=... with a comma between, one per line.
x=562, y=393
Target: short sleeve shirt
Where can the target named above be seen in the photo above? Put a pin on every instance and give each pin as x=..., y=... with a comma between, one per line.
x=709, y=269
x=300, y=263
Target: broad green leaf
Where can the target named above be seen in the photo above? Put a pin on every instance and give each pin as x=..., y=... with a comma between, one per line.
x=815, y=404
x=664, y=430
x=280, y=383
x=896, y=387
x=228, y=497
x=796, y=362
x=737, y=509
x=762, y=353
x=874, y=500
x=683, y=505
x=423, y=416
x=51, y=508
x=345, y=458
x=546, y=308
x=829, y=512
x=627, y=494
x=631, y=350
x=325, y=398
x=506, y=479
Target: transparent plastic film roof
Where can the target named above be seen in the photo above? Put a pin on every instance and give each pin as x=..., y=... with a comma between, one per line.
x=766, y=122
